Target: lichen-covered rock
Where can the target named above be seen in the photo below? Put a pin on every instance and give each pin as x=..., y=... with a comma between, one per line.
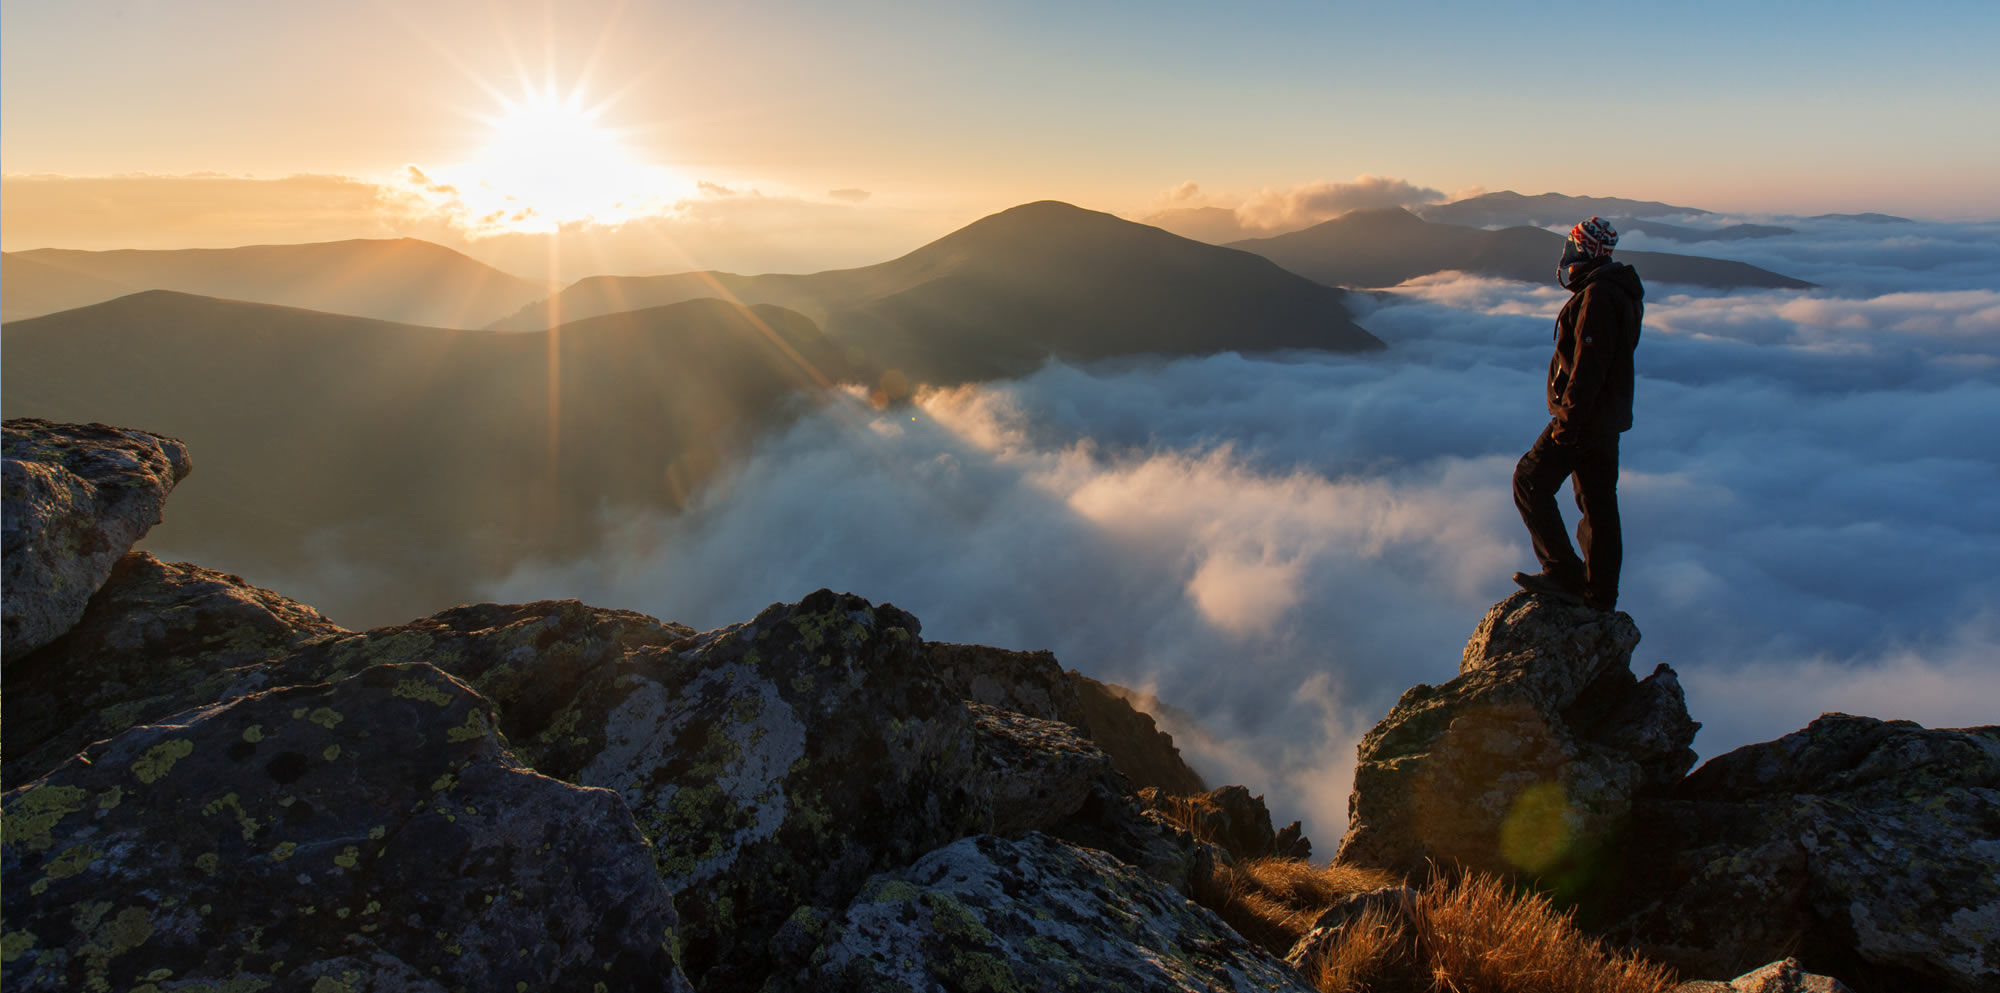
x=1030, y=683
x=375, y=833
x=1783, y=976
x=1528, y=761
x=1036, y=773
x=775, y=764
x=1866, y=847
x=76, y=497
x=992, y=914
x=156, y=639
x=1232, y=819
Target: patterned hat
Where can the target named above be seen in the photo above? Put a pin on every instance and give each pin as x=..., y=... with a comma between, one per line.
x=1595, y=236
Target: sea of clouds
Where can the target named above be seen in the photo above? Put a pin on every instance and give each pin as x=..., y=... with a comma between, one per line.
x=1280, y=545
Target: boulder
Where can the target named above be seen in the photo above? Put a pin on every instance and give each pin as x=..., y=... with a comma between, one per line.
x=76, y=497
x=774, y=764
x=1528, y=761
x=989, y=913
x=375, y=833
x=155, y=640
x=1867, y=848
x=1231, y=819
x=1037, y=773
x=1783, y=976
x=1030, y=683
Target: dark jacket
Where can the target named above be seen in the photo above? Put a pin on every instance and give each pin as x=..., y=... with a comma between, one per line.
x=1590, y=377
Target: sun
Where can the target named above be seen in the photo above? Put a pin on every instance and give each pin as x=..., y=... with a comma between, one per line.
x=552, y=160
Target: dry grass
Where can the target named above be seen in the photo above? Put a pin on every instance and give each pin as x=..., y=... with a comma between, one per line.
x=1475, y=935
x=1469, y=935
x=1274, y=901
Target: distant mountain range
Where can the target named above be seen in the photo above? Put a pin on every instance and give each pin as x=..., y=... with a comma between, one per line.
x=1674, y=232
x=1372, y=248
x=421, y=459
x=1002, y=294
x=1510, y=209
x=404, y=279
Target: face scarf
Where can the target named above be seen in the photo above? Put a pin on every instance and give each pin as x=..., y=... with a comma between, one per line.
x=1572, y=255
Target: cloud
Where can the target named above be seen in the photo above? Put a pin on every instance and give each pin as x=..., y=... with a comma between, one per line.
x=1273, y=211
x=849, y=194
x=714, y=189
x=1186, y=193
x=1281, y=546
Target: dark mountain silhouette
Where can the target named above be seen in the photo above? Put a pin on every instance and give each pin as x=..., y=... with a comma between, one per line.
x=1002, y=294
x=1508, y=209
x=1215, y=225
x=1866, y=218
x=427, y=458
x=1674, y=232
x=402, y=279
x=1386, y=247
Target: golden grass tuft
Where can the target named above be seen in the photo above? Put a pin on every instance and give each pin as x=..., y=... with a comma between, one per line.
x=1274, y=901
x=1471, y=934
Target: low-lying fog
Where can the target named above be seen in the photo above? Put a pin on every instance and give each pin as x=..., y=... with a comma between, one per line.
x=1280, y=546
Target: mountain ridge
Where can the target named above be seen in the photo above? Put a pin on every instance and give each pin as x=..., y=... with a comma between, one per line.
x=408, y=280
x=1000, y=295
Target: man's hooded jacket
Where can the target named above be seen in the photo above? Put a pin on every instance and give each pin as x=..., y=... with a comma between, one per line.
x=1590, y=377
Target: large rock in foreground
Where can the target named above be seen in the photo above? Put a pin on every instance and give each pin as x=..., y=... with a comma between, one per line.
x=157, y=639
x=376, y=833
x=991, y=914
x=1527, y=762
x=76, y=497
x=1867, y=848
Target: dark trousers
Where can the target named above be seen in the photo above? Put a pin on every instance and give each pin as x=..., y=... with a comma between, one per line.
x=1590, y=462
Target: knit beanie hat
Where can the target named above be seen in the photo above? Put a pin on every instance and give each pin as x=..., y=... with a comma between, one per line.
x=1595, y=236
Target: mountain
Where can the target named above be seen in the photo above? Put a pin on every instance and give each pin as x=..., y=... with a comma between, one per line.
x=1508, y=208
x=1674, y=232
x=1002, y=294
x=1866, y=218
x=404, y=279
x=418, y=460
x=1386, y=247
x=1214, y=225
x=29, y=288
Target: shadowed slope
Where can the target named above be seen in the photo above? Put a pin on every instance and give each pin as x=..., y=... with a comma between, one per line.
x=1386, y=247
x=1000, y=295
x=430, y=455
x=402, y=279
x=1507, y=208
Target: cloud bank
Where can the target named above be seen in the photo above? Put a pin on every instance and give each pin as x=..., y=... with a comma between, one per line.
x=1280, y=546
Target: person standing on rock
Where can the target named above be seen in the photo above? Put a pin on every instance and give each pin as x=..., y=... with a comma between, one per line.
x=1590, y=404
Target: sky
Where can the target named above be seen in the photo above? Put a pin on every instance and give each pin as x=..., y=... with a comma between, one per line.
x=776, y=137
x=1281, y=545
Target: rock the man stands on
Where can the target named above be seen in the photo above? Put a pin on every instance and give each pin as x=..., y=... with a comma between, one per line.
x=1590, y=404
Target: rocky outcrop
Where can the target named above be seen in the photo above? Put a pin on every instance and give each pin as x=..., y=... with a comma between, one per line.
x=1143, y=753
x=1035, y=684
x=1028, y=683
x=1783, y=976
x=1231, y=819
x=76, y=497
x=375, y=833
x=774, y=764
x=990, y=913
x=157, y=639
x=1868, y=848
x=1036, y=772
x=1530, y=760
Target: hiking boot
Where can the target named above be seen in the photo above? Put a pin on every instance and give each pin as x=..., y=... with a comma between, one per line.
x=1546, y=585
